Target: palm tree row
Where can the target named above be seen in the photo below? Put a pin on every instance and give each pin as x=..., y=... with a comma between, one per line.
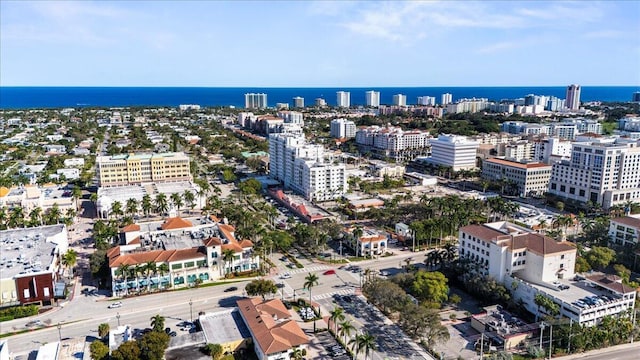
x=147, y=270
x=15, y=217
x=159, y=205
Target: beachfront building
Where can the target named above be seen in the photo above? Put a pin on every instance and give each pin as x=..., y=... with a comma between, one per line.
x=530, y=178
x=604, y=172
x=573, y=97
x=343, y=99
x=177, y=252
x=372, y=98
x=129, y=169
x=255, y=101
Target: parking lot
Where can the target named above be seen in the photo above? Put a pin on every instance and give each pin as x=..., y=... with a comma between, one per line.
x=325, y=345
x=391, y=342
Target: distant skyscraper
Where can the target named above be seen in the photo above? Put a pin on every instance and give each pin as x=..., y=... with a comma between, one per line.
x=255, y=101
x=446, y=99
x=298, y=102
x=400, y=100
x=636, y=96
x=321, y=102
x=426, y=100
x=343, y=99
x=372, y=98
x=573, y=97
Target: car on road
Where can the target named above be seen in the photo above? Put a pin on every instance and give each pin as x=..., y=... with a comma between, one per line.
x=384, y=273
x=285, y=276
x=279, y=285
x=230, y=289
x=115, y=305
x=329, y=272
x=34, y=323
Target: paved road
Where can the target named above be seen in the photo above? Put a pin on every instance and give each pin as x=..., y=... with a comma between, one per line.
x=621, y=352
x=82, y=315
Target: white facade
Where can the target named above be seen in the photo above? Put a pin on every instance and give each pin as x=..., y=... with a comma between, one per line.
x=545, y=149
x=400, y=100
x=320, y=102
x=602, y=172
x=457, y=152
x=446, y=99
x=372, y=98
x=427, y=100
x=255, y=101
x=291, y=117
x=573, y=97
x=343, y=99
x=530, y=178
x=393, y=142
x=74, y=162
x=69, y=174
x=468, y=105
x=343, y=128
x=303, y=168
x=624, y=230
x=298, y=102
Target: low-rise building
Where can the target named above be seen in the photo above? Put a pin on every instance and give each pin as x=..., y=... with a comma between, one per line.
x=74, y=163
x=624, y=230
x=503, y=329
x=275, y=335
x=365, y=241
x=189, y=250
x=531, y=179
x=454, y=151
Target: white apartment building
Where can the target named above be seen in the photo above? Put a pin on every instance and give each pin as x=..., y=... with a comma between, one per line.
x=545, y=150
x=291, y=117
x=68, y=173
x=343, y=99
x=74, y=162
x=529, y=263
x=302, y=167
x=427, y=100
x=372, y=98
x=298, y=102
x=445, y=99
x=517, y=150
x=468, y=105
x=255, y=101
x=400, y=100
x=629, y=123
x=624, y=230
x=554, y=104
x=564, y=130
x=530, y=178
x=573, y=97
x=519, y=127
x=457, y=152
x=342, y=128
x=501, y=107
x=604, y=172
x=282, y=106
x=247, y=119
x=320, y=102
x=393, y=142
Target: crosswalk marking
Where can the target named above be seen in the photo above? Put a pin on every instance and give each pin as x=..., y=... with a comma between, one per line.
x=308, y=269
x=349, y=291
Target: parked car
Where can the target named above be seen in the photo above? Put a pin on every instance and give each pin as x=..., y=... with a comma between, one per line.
x=329, y=272
x=34, y=323
x=115, y=305
x=285, y=276
x=230, y=289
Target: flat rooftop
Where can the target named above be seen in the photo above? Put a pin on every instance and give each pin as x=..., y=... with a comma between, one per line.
x=124, y=193
x=183, y=238
x=24, y=251
x=224, y=326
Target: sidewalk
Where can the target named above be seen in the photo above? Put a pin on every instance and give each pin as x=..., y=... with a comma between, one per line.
x=603, y=351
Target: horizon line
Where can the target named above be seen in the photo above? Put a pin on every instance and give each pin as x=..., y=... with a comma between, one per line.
x=303, y=87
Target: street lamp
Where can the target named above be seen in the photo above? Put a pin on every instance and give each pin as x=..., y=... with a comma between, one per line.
x=542, y=326
x=118, y=317
x=191, y=309
x=59, y=332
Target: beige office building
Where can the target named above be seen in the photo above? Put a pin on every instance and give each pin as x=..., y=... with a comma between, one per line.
x=133, y=169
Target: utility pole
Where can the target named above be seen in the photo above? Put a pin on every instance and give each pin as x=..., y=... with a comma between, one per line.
x=542, y=325
x=481, y=346
x=570, y=329
x=550, y=340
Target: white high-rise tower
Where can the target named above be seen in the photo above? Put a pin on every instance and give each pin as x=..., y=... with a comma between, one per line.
x=343, y=99
x=372, y=98
x=573, y=97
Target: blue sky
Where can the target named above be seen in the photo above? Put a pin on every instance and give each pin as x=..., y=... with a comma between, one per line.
x=323, y=43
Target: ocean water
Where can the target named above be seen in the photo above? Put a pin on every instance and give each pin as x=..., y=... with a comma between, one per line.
x=59, y=97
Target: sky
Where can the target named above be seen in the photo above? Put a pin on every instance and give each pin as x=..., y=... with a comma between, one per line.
x=319, y=43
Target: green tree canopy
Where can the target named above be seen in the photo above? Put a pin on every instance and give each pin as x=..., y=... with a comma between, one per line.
x=214, y=350
x=98, y=350
x=153, y=345
x=599, y=257
x=431, y=286
x=103, y=330
x=262, y=287
x=250, y=187
x=128, y=350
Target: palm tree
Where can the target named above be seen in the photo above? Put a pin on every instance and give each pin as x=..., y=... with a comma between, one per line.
x=123, y=271
x=132, y=207
x=157, y=323
x=35, y=216
x=94, y=199
x=176, y=201
x=147, y=206
x=228, y=256
x=201, y=193
x=367, y=343
x=162, y=207
x=3, y=217
x=310, y=281
x=69, y=259
x=151, y=268
x=189, y=200
x=162, y=269
x=298, y=354
x=76, y=193
x=116, y=209
x=346, y=329
x=337, y=314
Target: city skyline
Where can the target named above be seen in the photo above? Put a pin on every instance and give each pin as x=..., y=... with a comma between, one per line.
x=316, y=44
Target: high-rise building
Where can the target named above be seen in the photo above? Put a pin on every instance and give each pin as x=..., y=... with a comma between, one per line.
x=298, y=102
x=400, y=100
x=302, y=167
x=343, y=99
x=446, y=99
x=133, y=169
x=282, y=106
x=372, y=98
x=255, y=101
x=604, y=172
x=320, y=102
x=343, y=128
x=291, y=117
x=635, y=97
x=427, y=100
x=393, y=142
x=573, y=97
x=454, y=151
x=554, y=104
